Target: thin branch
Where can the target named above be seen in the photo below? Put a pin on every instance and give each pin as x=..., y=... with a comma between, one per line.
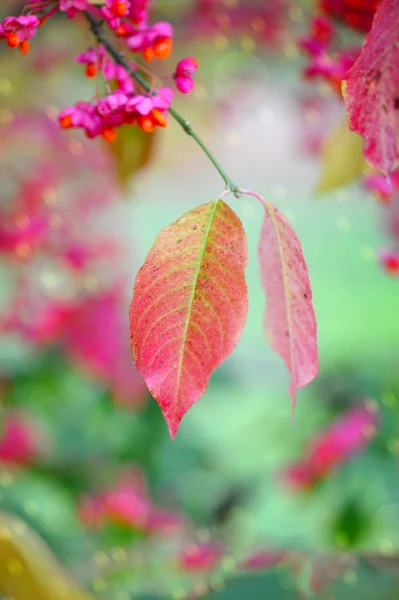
x=98, y=31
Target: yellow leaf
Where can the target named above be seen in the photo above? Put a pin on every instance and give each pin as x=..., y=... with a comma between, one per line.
x=132, y=150
x=342, y=159
x=28, y=570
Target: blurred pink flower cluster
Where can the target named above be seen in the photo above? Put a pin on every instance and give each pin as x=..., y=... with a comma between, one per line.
x=127, y=503
x=265, y=22
x=333, y=447
x=386, y=190
x=325, y=61
x=58, y=258
x=21, y=441
x=127, y=101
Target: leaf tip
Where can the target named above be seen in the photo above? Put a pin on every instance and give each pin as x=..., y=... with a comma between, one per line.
x=173, y=423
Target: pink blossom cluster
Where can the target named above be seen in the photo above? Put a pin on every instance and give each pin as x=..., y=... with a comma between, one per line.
x=17, y=31
x=129, y=103
x=116, y=109
x=324, y=62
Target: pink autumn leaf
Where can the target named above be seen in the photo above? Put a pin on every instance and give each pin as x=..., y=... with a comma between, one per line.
x=189, y=306
x=371, y=89
x=263, y=559
x=201, y=557
x=290, y=322
x=332, y=447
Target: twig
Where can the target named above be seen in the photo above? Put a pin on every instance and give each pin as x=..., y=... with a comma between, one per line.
x=98, y=31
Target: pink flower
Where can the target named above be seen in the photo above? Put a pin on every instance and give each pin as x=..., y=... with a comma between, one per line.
x=127, y=503
x=389, y=259
x=32, y=232
x=183, y=74
x=319, y=37
x=93, y=58
x=19, y=441
x=383, y=187
x=119, y=8
x=138, y=12
x=114, y=10
x=200, y=557
x=145, y=104
x=86, y=116
x=71, y=7
x=334, y=446
x=83, y=115
x=18, y=30
x=332, y=70
x=120, y=75
x=155, y=41
x=111, y=104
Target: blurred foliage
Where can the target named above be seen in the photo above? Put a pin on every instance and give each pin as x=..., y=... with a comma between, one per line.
x=342, y=159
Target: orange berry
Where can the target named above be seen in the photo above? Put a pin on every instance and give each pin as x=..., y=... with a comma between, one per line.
x=119, y=9
x=392, y=264
x=24, y=47
x=146, y=123
x=91, y=70
x=13, y=40
x=163, y=47
x=159, y=118
x=66, y=122
x=148, y=54
x=109, y=134
x=121, y=31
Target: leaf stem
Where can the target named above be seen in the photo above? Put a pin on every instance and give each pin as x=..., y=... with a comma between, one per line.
x=98, y=32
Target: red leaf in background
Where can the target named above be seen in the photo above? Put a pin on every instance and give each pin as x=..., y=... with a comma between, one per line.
x=189, y=306
x=263, y=559
x=201, y=557
x=346, y=437
x=127, y=503
x=290, y=321
x=355, y=13
x=371, y=90
x=20, y=440
x=95, y=336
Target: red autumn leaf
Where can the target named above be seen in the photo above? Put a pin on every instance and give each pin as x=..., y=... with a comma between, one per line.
x=290, y=321
x=332, y=447
x=371, y=89
x=189, y=306
x=358, y=14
